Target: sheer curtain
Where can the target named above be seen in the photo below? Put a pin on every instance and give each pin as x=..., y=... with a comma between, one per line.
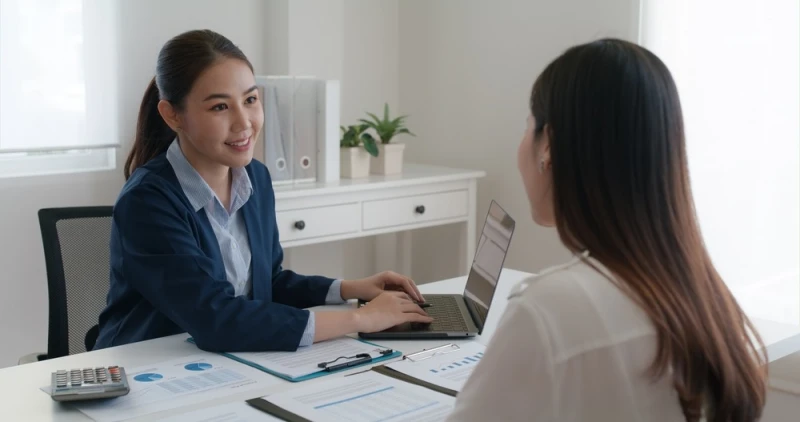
x=737, y=67
x=57, y=75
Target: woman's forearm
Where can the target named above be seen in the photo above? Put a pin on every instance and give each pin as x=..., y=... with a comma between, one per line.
x=332, y=324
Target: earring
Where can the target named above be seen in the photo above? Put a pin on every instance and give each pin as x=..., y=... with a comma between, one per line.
x=541, y=166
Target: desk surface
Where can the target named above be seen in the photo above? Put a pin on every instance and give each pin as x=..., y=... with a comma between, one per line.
x=22, y=400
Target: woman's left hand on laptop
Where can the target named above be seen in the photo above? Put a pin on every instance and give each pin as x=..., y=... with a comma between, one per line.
x=370, y=287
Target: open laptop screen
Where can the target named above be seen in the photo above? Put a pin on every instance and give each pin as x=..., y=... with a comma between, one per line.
x=490, y=255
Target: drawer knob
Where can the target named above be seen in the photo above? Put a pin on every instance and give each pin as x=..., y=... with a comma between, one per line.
x=300, y=225
x=420, y=209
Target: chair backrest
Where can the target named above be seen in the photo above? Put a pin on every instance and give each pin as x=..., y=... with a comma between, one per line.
x=76, y=250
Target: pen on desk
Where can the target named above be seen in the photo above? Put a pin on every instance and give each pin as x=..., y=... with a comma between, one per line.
x=424, y=305
x=348, y=364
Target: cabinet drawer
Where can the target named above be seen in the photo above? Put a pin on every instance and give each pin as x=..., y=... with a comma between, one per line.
x=414, y=209
x=317, y=222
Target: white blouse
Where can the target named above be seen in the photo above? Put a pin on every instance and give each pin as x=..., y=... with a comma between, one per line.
x=571, y=346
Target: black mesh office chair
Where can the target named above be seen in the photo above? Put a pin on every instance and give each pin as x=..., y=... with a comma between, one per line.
x=76, y=252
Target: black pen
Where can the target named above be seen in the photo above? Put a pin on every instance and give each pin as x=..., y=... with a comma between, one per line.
x=348, y=364
x=424, y=305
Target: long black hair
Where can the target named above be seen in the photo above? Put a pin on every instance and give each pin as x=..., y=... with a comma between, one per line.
x=621, y=191
x=180, y=62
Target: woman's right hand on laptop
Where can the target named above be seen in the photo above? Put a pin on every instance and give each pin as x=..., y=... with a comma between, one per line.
x=387, y=310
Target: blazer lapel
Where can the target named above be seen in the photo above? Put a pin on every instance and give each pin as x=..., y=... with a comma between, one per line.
x=253, y=222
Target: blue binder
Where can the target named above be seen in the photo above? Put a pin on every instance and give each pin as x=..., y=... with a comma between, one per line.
x=321, y=372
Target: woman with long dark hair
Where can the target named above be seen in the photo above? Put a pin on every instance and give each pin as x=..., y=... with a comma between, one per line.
x=638, y=326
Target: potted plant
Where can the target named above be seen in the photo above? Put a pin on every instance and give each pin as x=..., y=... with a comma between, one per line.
x=390, y=157
x=356, y=147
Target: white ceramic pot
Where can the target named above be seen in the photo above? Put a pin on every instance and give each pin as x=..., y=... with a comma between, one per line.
x=389, y=159
x=354, y=162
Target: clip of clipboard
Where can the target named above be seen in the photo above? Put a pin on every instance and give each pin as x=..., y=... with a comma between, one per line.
x=429, y=353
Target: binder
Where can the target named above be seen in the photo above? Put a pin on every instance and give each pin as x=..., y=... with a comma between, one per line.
x=277, y=145
x=304, y=124
x=385, y=354
x=301, y=128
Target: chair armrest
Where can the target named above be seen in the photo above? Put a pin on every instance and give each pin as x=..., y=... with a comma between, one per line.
x=31, y=358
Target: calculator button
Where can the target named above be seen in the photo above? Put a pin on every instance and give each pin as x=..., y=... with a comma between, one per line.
x=61, y=378
x=101, y=375
x=88, y=375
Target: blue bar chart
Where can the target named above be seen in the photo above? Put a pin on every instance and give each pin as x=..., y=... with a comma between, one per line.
x=452, y=366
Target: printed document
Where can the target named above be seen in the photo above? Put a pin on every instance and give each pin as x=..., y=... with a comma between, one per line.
x=365, y=397
x=231, y=412
x=448, y=370
x=176, y=383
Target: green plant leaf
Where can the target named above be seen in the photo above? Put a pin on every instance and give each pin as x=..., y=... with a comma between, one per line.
x=404, y=130
x=369, y=144
x=398, y=121
x=375, y=118
x=386, y=111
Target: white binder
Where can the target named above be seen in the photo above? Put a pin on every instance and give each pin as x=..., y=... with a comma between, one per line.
x=301, y=128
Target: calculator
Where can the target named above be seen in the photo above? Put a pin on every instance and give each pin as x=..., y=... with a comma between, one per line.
x=89, y=383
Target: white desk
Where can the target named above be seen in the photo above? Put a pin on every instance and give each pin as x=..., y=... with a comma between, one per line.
x=22, y=400
x=421, y=196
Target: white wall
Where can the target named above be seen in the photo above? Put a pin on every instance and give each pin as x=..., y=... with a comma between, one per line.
x=466, y=69
x=354, y=41
x=367, y=81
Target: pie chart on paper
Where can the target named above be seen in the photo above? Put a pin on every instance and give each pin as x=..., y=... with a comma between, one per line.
x=148, y=377
x=199, y=366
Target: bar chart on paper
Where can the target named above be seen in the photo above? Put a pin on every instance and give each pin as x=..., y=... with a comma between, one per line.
x=459, y=370
x=450, y=370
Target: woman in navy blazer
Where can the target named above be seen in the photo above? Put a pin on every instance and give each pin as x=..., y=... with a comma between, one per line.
x=194, y=242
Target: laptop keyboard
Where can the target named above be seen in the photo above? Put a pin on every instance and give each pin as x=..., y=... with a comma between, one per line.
x=446, y=314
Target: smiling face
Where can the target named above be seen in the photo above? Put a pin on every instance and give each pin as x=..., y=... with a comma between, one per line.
x=220, y=119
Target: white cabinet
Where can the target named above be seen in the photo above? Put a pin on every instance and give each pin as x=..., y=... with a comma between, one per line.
x=421, y=196
x=310, y=223
x=415, y=209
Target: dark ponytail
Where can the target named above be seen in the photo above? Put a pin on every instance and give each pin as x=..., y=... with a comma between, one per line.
x=180, y=63
x=153, y=135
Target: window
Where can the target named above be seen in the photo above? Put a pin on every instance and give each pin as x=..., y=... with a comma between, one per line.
x=737, y=67
x=57, y=86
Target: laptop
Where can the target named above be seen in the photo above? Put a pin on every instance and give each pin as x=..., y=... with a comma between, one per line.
x=464, y=315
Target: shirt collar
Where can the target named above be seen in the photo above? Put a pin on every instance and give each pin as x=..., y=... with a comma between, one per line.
x=197, y=190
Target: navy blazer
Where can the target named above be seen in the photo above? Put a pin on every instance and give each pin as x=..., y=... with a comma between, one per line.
x=168, y=277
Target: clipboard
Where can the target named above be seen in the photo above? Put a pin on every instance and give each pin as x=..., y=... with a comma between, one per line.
x=321, y=372
x=275, y=410
x=320, y=398
x=429, y=353
x=417, y=357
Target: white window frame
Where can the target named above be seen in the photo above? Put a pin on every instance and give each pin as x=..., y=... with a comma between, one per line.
x=87, y=158
x=46, y=163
